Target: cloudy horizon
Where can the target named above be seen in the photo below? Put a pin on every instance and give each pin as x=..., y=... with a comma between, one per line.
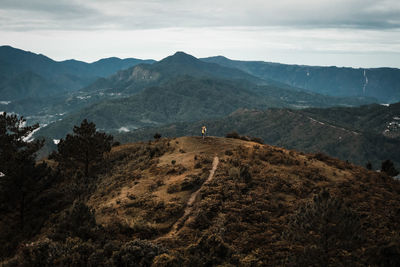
x=354, y=33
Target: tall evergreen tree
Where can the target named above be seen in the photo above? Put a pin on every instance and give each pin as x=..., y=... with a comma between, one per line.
x=84, y=148
x=20, y=174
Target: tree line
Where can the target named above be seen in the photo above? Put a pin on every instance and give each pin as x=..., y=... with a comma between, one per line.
x=23, y=179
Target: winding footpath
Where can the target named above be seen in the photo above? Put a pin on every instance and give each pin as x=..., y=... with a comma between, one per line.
x=189, y=204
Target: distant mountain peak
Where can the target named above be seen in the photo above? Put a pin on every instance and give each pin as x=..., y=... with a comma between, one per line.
x=180, y=57
x=6, y=47
x=182, y=54
x=109, y=59
x=216, y=58
x=12, y=54
x=221, y=57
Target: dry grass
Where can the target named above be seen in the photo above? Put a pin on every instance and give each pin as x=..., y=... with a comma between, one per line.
x=130, y=193
x=255, y=190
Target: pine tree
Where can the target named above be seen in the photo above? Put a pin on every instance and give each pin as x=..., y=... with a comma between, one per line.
x=84, y=148
x=20, y=174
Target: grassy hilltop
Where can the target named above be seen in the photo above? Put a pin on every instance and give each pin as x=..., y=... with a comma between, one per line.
x=157, y=204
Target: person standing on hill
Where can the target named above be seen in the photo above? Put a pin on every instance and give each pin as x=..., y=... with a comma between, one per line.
x=203, y=131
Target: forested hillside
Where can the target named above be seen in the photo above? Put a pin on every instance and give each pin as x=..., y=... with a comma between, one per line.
x=380, y=83
x=28, y=75
x=188, y=99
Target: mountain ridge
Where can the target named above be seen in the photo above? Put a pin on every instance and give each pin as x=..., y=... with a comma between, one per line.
x=66, y=76
x=381, y=83
x=138, y=77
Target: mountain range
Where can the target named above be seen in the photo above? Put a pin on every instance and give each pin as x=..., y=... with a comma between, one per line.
x=28, y=75
x=183, y=88
x=136, y=78
x=380, y=83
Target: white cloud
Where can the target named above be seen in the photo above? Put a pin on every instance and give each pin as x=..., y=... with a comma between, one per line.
x=327, y=32
x=134, y=15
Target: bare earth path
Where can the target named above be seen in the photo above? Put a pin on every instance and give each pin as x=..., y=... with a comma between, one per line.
x=189, y=204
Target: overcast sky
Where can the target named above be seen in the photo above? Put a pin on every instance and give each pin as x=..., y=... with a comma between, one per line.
x=357, y=33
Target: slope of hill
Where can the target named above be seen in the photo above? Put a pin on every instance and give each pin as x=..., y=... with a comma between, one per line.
x=58, y=77
x=380, y=83
x=27, y=85
x=185, y=201
x=188, y=98
x=368, y=133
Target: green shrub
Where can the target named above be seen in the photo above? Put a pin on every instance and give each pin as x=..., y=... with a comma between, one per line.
x=78, y=221
x=228, y=152
x=234, y=135
x=197, y=165
x=234, y=173
x=244, y=138
x=157, y=136
x=209, y=250
x=173, y=188
x=167, y=260
x=191, y=182
x=245, y=174
x=257, y=140
x=136, y=253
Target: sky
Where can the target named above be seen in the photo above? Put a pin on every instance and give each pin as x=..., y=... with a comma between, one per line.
x=354, y=33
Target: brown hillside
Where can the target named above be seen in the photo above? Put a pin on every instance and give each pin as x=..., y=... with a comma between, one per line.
x=263, y=205
x=225, y=202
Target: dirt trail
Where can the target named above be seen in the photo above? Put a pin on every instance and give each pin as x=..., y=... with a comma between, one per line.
x=189, y=204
